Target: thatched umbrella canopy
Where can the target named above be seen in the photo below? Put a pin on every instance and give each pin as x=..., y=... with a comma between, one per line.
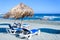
x=20, y=11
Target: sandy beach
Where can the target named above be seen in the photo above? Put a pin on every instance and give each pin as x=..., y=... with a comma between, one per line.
x=30, y=20
x=34, y=24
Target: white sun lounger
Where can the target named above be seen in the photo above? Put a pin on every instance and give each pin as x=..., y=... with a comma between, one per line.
x=33, y=32
x=13, y=30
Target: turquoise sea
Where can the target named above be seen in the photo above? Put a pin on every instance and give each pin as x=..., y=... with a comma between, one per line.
x=51, y=17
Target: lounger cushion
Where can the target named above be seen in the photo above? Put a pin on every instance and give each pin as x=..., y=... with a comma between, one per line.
x=18, y=29
x=34, y=30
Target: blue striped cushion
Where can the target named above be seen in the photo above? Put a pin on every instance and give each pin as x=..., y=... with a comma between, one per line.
x=34, y=30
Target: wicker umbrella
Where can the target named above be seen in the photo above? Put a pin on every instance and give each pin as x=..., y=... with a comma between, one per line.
x=20, y=11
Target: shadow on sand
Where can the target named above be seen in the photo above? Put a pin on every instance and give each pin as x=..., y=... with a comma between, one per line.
x=46, y=30
x=51, y=31
x=3, y=30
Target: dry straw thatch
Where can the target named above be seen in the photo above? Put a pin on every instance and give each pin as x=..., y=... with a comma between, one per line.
x=20, y=11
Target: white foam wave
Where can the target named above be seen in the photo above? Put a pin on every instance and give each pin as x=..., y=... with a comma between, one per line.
x=50, y=17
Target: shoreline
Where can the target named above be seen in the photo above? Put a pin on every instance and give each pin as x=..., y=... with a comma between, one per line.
x=34, y=23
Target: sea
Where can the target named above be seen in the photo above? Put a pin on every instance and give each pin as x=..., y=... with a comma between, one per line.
x=39, y=16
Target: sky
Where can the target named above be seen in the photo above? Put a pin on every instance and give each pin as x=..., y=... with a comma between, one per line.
x=39, y=6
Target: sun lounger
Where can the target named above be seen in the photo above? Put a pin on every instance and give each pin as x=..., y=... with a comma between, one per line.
x=32, y=32
x=27, y=33
x=6, y=26
x=15, y=29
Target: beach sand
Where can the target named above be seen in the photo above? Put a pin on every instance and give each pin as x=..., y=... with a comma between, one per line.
x=34, y=24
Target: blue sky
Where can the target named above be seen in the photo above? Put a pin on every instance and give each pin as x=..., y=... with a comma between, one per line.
x=39, y=6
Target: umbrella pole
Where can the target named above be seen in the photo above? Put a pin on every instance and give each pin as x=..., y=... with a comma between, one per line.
x=21, y=23
x=15, y=20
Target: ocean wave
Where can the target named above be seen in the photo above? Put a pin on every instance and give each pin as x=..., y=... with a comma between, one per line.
x=54, y=18
x=43, y=17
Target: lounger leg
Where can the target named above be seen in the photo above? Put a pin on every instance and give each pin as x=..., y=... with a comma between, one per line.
x=9, y=30
x=14, y=32
x=38, y=32
x=30, y=36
